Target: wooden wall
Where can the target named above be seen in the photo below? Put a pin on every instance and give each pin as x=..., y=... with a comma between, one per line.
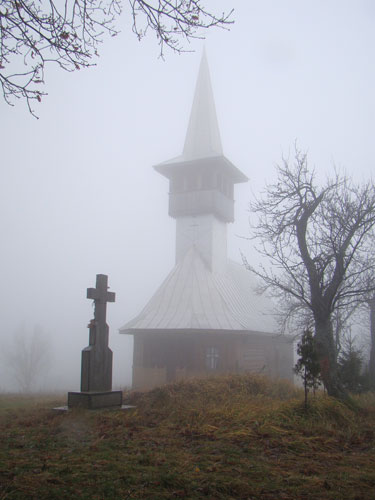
x=165, y=357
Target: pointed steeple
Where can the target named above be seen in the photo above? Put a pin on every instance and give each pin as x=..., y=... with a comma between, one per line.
x=202, y=149
x=203, y=136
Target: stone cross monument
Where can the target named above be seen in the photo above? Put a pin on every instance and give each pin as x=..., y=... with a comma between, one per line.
x=96, y=368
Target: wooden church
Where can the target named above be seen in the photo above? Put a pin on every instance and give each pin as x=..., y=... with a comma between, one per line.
x=206, y=316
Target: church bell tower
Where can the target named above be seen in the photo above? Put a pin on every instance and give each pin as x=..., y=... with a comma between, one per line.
x=201, y=182
x=206, y=316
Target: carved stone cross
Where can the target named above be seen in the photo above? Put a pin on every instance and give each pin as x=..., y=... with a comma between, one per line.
x=96, y=372
x=96, y=367
x=101, y=296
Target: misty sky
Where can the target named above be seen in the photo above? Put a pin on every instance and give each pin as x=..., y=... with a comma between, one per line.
x=78, y=194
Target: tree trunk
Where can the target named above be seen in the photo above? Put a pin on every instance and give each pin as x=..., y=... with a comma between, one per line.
x=326, y=348
x=371, y=366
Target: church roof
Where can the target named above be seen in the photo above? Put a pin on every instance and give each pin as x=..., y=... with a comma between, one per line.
x=194, y=298
x=202, y=141
x=203, y=135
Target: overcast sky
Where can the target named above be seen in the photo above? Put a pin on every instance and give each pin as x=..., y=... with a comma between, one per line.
x=78, y=195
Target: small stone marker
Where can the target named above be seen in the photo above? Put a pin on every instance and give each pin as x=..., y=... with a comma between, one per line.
x=96, y=368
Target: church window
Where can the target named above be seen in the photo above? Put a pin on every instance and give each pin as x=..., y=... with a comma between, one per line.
x=177, y=184
x=192, y=182
x=212, y=358
x=226, y=187
x=219, y=182
x=207, y=180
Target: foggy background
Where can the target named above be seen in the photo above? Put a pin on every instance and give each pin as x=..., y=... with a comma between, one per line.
x=78, y=195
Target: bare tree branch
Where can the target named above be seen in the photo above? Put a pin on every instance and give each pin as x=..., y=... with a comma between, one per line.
x=175, y=21
x=319, y=242
x=34, y=33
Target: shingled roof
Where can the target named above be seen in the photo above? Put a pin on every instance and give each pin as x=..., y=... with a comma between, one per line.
x=195, y=299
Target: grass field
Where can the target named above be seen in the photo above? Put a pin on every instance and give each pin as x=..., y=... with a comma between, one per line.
x=232, y=437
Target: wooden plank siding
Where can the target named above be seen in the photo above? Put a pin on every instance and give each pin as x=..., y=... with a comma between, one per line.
x=166, y=357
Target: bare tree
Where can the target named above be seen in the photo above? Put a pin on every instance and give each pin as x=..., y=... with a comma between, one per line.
x=319, y=241
x=293, y=316
x=68, y=32
x=27, y=358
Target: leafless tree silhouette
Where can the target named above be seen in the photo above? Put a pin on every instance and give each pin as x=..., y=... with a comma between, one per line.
x=34, y=33
x=320, y=242
x=27, y=358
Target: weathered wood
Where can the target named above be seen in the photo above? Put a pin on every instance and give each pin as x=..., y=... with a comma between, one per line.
x=166, y=357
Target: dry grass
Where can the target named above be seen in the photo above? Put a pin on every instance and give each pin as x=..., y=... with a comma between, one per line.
x=232, y=437
x=27, y=401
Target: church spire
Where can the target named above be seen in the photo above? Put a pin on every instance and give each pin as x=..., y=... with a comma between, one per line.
x=201, y=182
x=203, y=136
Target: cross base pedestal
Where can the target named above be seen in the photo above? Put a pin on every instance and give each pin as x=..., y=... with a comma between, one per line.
x=94, y=400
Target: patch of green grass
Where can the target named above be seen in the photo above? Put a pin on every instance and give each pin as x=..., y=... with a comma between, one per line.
x=27, y=401
x=230, y=437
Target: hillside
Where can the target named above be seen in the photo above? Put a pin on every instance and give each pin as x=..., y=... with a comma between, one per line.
x=232, y=437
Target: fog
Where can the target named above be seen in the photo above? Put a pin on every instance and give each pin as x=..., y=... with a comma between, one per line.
x=78, y=194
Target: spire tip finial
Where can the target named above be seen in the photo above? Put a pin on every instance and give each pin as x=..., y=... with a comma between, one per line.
x=203, y=136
